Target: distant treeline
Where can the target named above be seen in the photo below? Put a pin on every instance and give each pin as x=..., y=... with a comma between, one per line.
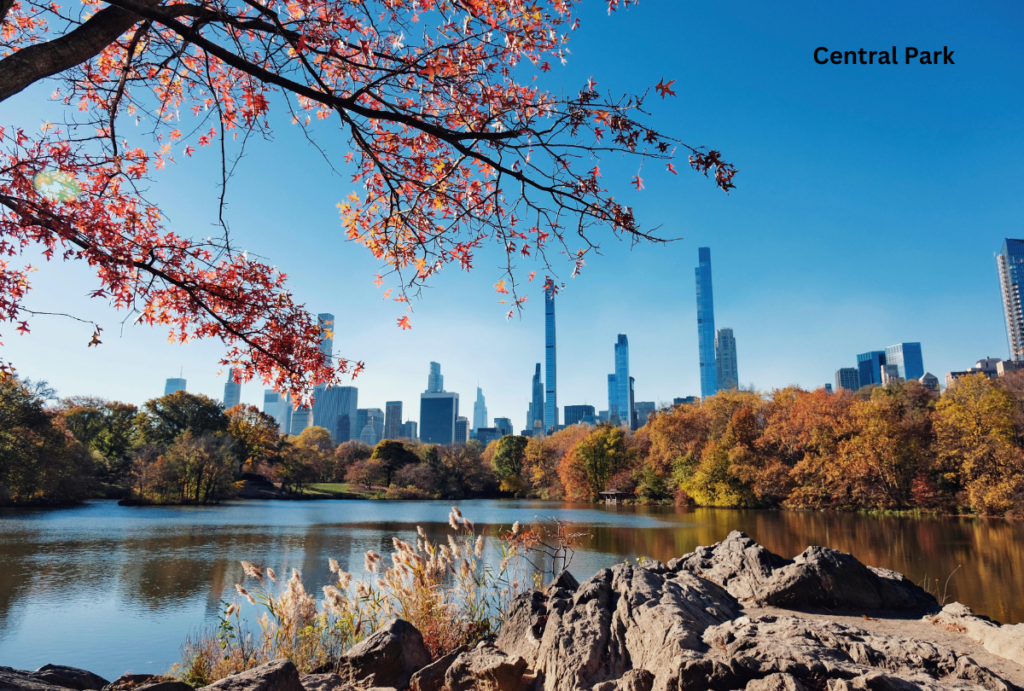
x=896, y=447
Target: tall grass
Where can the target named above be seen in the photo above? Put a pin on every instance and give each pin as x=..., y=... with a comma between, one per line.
x=445, y=589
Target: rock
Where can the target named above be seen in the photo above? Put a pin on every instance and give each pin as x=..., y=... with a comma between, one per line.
x=70, y=678
x=128, y=682
x=21, y=680
x=431, y=677
x=276, y=675
x=1005, y=641
x=485, y=668
x=564, y=580
x=819, y=577
x=775, y=682
x=523, y=627
x=633, y=680
x=164, y=684
x=325, y=682
x=390, y=656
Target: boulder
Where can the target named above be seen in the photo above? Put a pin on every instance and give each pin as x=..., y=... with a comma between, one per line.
x=775, y=682
x=70, y=678
x=276, y=675
x=325, y=682
x=485, y=668
x=21, y=680
x=431, y=677
x=129, y=682
x=389, y=657
x=819, y=577
x=1002, y=640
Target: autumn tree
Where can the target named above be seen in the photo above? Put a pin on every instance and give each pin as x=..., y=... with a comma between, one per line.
x=542, y=457
x=162, y=420
x=587, y=467
x=106, y=427
x=194, y=469
x=256, y=435
x=450, y=145
x=391, y=455
x=508, y=460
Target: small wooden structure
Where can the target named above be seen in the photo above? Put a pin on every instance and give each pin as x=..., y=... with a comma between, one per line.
x=613, y=496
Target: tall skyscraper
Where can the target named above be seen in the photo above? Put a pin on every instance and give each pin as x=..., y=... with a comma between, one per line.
x=726, y=372
x=409, y=430
x=461, y=429
x=232, y=390
x=503, y=425
x=574, y=414
x=479, y=410
x=907, y=358
x=644, y=409
x=280, y=408
x=301, y=419
x=435, y=380
x=535, y=411
x=706, y=324
x=334, y=409
x=551, y=398
x=1010, y=262
x=393, y=420
x=373, y=430
x=618, y=384
x=634, y=421
x=869, y=367
x=438, y=410
x=173, y=385
x=847, y=378
x=613, y=400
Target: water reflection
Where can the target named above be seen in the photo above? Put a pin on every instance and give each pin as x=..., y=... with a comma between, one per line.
x=113, y=588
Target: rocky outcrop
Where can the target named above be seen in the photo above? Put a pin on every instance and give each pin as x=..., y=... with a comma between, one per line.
x=431, y=677
x=49, y=678
x=820, y=577
x=1003, y=640
x=326, y=682
x=486, y=668
x=277, y=675
x=389, y=657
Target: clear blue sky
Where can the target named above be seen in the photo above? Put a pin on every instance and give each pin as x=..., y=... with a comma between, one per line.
x=870, y=201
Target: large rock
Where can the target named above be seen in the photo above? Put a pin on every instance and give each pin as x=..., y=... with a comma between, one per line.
x=623, y=621
x=70, y=678
x=146, y=682
x=326, y=682
x=820, y=577
x=485, y=668
x=431, y=677
x=389, y=657
x=21, y=680
x=276, y=675
x=1005, y=641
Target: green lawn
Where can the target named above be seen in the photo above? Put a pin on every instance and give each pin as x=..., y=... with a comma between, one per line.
x=336, y=489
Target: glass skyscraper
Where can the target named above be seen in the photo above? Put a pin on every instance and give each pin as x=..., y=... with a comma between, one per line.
x=1010, y=262
x=232, y=390
x=618, y=384
x=907, y=359
x=173, y=385
x=706, y=324
x=479, y=410
x=535, y=412
x=438, y=410
x=726, y=372
x=574, y=414
x=551, y=397
x=393, y=420
x=869, y=367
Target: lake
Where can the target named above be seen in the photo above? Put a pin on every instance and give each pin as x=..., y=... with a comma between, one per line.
x=115, y=589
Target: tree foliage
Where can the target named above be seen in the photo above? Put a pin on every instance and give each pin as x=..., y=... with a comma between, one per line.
x=164, y=419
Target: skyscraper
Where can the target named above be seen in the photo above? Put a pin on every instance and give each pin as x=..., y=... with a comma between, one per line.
x=326, y=334
x=334, y=409
x=393, y=420
x=613, y=400
x=847, y=378
x=301, y=419
x=869, y=367
x=503, y=425
x=1010, y=262
x=574, y=414
x=232, y=390
x=173, y=385
x=280, y=408
x=373, y=431
x=535, y=411
x=633, y=419
x=551, y=399
x=618, y=384
x=706, y=324
x=479, y=410
x=435, y=380
x=438, y=410
x=409, y=430
x=461, y=429
x=644, y=409
x=726, y=372
x=907, y=358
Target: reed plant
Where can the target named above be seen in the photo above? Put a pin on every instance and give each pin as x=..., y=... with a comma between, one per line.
x=445, y=589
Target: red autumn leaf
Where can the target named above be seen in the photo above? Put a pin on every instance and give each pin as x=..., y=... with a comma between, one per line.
x=638, y=182
x=672, y=169
x=403, y=322
x=664, y=89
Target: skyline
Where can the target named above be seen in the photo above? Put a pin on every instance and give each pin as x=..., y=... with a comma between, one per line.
x=850, y=227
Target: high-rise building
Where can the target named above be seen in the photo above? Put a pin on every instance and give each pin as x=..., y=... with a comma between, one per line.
x=847, y=378
x=619, y=385
x=890, y=373
x=173, y=385
x=535, y=411
x=685, y=400
x=280, y=408
x=435, y=380
x=613, y=398
x=393, y=420
x=828, y=388
x=461, y=429
x=232, y=390
x=504, y=425
x=634, y=421
x=335, y=409
x=930, y=381
x=644, y=410
x=326, y=334
x=706, y=324
x=485, y=435
x=438, y=410
x=574, y=414
x=1010, y=262
x=301, y=419
x=869, y=367
x=409, y=430
x=726, y=372
x=373, y=427
x=357, y=430
x=551, y=395
x=479, y=410
x=907, y=358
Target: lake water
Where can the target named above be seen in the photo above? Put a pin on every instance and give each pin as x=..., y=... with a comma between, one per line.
x=115, y=589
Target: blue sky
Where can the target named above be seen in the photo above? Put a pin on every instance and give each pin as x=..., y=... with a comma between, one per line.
x=869, y=203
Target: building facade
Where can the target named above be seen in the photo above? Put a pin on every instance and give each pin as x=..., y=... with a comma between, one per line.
x=847, y=378
x=685, y=400
x=175, y=384
x=726, y=370
x=644, y=410
x=280, y=408
x=232, y=390
x=1010, y=263
x=461, y=429
x=535, y=411
x=930, y=381
x=706, y=324
x=301, y=419
x=574, y=414
x=890, y=374
x=435, y=380
x=409, y=430
x=335, y=409
x=485, y=435
x=869, y=367
x=550, y=384
x=438, y=411
x=907, y=358
x=393, y=420
x=479, y=410
x=373, y=427
x=504, y=425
